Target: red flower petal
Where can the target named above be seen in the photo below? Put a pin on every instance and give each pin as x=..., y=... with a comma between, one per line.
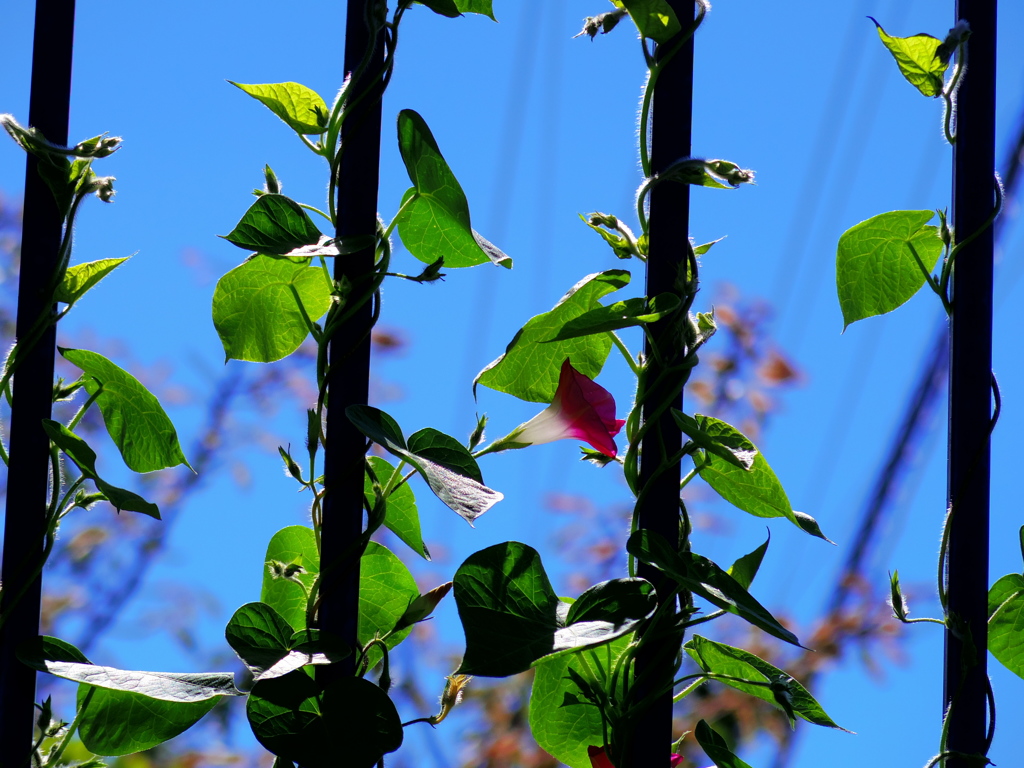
x=598, y=758
x=581, y=409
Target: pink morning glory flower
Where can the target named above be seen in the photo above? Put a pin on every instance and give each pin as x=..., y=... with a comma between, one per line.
x=582, y=410
x=599, y=758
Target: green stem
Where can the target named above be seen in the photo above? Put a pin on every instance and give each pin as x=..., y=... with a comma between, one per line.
x=704, y=619
x=314, y=209
x=932, y=282
x=947, y=268
x=948, y=91
x=57, y=753
x=85, y=406
x=701, y=679
x=625, y=352
x=394, y=221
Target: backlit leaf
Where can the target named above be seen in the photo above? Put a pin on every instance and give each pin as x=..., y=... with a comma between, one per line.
x=918, y=60
x=133, y=416
x=436, y=223
x=529, y=368
x=296, y=104
x=721, y=659
x=565, y=730
x=81, y=277
x=654, y=18
x=1006, y=622
x=876, y=271
x=256, y=312
x=76, y=449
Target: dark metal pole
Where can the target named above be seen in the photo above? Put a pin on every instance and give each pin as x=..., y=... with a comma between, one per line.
x=970, y=396
x=669, y=232
x=27, y=480
x=349, y=353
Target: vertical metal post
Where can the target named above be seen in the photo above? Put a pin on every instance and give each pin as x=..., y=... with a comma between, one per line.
x=24, y=524
x=970, y=395
x=349, y=353
x=669, y=232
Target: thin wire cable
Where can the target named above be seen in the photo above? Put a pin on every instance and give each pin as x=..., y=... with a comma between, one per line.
x=517, y=109
x=848, y=68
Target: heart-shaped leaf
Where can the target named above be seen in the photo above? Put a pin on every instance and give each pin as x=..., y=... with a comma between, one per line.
x=512, y=617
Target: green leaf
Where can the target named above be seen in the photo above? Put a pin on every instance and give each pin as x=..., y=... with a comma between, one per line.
x=717, y=437
x=464, y=495
x=876, y=271
x=259, y=635
x=621, y=314
x=123, y=723
x=81, y=277
x=45, y=648
x=295, y=546
x=76, y=449
x=745, y=569
x=436, y=223
x=564, y=730
x=274, y=224
x=483, y=7
x=721, y=659
x=295, y=720
x=402, y=516
x=445, y=450
x=1006, y=622
x=443, y=7
x=284, y=714
x=714, y=746
x=700, y=250
x=705, y=579
x=918, y=60
x=386, y=588
x=300, y=107
x=756, y=491
x=133, y=416
x=256, y=312
x=530, y=367
x=64, y=660
x=265, y=642
x=512, y=617
x=654, y=18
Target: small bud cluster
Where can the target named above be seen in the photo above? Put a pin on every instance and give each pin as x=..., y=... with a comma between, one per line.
x=603, y=23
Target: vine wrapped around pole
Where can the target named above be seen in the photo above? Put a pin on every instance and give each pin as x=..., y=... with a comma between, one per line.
x=25, y=523
x=667, y=268
x=349, y=355
x=966, y=686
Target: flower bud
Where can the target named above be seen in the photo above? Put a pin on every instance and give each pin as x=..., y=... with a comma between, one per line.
x=900, y=610
x=424, y=605
x=290, y=464
x=286, y=571
x=451, y=697
x=603, y=23
x=270, y=181
x=477, y=435
x=956, y=36
x=103, y=186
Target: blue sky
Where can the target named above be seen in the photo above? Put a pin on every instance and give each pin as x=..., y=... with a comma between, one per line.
x=540, y=127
